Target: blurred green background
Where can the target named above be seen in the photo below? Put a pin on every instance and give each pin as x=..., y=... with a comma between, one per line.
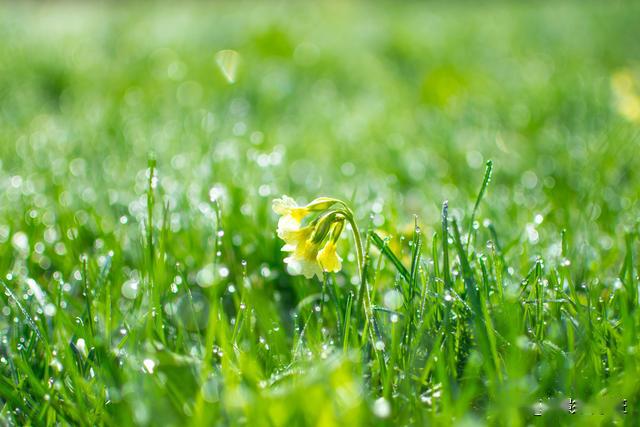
x=395, y=107
x=398, y=104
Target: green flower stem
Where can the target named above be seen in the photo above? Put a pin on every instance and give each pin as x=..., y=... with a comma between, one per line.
x=359, y=247
x=366, y=301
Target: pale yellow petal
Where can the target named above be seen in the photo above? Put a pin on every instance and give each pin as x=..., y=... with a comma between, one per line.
x=295, y=237
x=298, y=214
x=283, y=205
x=300, y=266
x=329, y=259
x=287, y=224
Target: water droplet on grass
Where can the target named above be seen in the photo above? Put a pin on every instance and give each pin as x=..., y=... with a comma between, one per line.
x=49, y=310
x=20, y=242
x=210, y=390
x=381, y=408
x=148, y=366
x=204, y=278
x=81, y=345
x=393, y=299
x=130, y=289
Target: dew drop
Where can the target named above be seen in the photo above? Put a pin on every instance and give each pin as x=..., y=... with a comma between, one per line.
x=130, y=289
x=381, y=408
x=148, y=366
x=49, y=310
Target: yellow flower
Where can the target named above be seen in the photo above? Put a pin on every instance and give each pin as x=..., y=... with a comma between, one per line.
x=309, y=253
x=329, y=258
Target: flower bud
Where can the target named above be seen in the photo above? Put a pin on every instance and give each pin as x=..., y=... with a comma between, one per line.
x=323, y=226
x=321, y=204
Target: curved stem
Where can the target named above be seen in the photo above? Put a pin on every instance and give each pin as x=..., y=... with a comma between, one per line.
x=366, y=302
x=358, y=242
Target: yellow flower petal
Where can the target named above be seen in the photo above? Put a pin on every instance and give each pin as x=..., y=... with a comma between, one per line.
x=284, y=205
x=287, y=224
x=304, y=267
x=303, y=259
x=298, y=214
x=329, y=259
x=291, y=215
x=294, y=238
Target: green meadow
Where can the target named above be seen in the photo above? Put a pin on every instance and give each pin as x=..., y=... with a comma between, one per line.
x=486, y=157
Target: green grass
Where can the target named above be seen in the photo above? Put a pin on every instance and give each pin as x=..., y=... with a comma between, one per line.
x=142, y=279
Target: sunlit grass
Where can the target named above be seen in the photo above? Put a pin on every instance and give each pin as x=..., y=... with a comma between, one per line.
x=484, y=158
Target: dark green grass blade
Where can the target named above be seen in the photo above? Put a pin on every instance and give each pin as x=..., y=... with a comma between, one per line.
x=382, y=246
x=445, y=245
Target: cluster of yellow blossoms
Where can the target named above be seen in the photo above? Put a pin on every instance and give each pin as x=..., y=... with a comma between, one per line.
x=312, y=245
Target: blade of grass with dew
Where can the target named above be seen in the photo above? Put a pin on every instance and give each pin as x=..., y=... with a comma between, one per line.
x=485, y=183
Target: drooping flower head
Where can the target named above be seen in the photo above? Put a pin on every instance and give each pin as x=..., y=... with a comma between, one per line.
x=312, y=246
